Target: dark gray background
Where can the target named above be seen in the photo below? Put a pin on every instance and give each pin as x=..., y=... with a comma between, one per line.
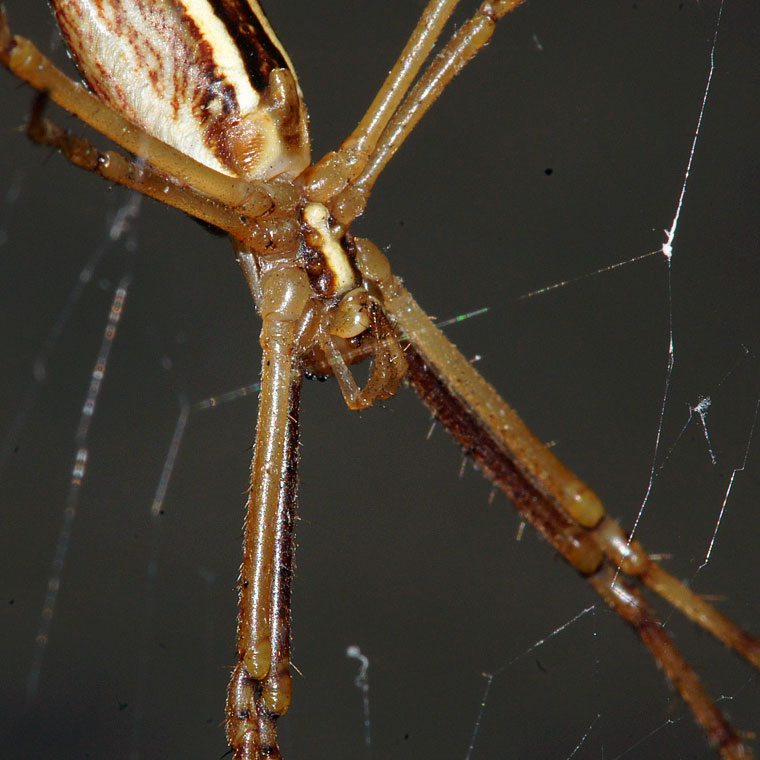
x=396, y=552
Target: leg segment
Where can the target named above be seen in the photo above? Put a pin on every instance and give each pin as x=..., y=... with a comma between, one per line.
x=598, y=549
x=388, y=364
x=461, y=48
x=134, y=174
x=328, y=176
x=259, y=688
x=629, y=557
x=546, y=474
x=628, y=602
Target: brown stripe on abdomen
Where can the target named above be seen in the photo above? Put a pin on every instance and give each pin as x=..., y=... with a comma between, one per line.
x=260, y=55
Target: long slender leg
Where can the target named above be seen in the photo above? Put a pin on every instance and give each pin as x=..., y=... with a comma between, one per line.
x=599, y=550
x=139, y=176
x=531, y=455
x=631, y=606
x=24, y=60
x=580, y=505
x=276, y=688
x=329, y=175
x=259, y=688
x=466, y=42
x=463, y=46
x=429, y=27
x=578, y=547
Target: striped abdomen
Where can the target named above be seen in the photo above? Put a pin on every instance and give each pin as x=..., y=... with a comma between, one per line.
x=208, y=77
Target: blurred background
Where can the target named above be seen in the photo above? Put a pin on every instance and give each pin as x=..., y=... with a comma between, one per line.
x=557, y=156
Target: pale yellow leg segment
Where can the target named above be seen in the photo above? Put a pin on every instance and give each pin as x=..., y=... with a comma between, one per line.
x=541, y=466
x=277, y=687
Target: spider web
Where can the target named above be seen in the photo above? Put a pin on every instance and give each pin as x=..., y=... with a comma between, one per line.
x=558, y=158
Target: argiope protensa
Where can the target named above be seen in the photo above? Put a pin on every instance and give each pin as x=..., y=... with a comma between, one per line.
x=532, y=234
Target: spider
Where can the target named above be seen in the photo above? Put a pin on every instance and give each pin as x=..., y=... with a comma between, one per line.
x=303, y=541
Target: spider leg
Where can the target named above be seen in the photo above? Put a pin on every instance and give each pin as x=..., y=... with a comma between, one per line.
x=542, y=469
x=630, y=557
x=22, y=58
x=259, y=690
x=346, y=177
x=331, y=174
x=254, y=705
x=598, y=548
x=626, y=600
x=132, y=173
x=462, y=47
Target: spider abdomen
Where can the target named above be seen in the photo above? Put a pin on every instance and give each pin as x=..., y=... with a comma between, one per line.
x=209, y=79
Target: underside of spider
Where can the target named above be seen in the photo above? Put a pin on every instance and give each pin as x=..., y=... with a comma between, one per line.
x=228, y=144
